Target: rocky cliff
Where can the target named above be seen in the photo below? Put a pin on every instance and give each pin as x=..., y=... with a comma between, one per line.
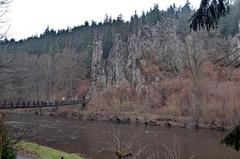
x=150, y=50
x=127, y=61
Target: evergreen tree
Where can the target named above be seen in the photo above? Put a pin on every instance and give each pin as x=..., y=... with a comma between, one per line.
x=86, y=24
x=153, y=16
x=94, y=23
x=229, y=24
x=107, y=19
x=143, y=18
x=134, y=22
x=171, y=11
x=208, y=14
x=233, y=139
x=120, y=19
x=183, y=17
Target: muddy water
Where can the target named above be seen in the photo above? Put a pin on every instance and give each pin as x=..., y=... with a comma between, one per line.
x=94, y=138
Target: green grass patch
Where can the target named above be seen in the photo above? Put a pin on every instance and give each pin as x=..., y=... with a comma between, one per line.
x=42, y=152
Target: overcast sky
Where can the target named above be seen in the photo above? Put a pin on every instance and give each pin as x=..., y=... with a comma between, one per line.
x=31, y=17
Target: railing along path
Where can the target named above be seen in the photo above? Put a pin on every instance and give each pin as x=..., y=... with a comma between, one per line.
x=17, y=104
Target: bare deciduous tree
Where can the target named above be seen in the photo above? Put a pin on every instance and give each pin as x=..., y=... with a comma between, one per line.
x=5, y=60
x=193, y=59
x=123, y=147
x=170, y=151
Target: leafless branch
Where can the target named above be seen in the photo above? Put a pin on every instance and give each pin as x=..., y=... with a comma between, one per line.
x=122, y=147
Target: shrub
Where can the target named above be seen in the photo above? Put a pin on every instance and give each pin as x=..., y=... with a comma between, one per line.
x=6, y=144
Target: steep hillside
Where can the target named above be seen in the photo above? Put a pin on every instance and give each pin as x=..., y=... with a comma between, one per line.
x=151, y=67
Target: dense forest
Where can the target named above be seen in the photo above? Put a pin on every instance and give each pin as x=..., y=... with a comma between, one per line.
x=80, y=38
x=151, y=64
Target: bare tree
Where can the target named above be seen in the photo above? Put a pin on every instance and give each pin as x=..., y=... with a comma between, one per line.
x=5, y=60
x=170, y=151
x=193, y=60
x=4, y=4
x=194, y=57
x=123, y=147
x=6, y=70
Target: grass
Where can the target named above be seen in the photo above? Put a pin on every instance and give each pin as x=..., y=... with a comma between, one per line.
x=42, y=152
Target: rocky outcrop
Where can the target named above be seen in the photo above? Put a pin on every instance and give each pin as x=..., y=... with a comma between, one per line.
x=98, y=74
x=235, y=47
x=126, y=61
x=147, y=52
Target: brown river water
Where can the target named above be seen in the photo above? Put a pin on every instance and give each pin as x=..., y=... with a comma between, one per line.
x=93, y=138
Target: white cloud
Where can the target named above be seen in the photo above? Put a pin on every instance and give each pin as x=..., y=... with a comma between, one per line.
x=29, y=17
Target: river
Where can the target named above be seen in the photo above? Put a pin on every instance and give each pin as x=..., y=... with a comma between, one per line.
x=93, y=138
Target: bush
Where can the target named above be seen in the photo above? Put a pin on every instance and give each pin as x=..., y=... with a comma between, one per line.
x=6, y=150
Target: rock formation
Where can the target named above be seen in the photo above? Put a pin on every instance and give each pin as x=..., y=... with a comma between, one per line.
x=148, y=51
x=235, y=48
x=127, y=59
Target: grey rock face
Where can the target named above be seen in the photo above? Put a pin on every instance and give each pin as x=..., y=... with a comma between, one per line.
x=98, y=74
x=116, y=62
x=152, y=44
x=235, y=47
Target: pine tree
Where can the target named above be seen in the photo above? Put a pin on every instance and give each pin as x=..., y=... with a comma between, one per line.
x=184, y=14
x=229, y=24
x=208, y=14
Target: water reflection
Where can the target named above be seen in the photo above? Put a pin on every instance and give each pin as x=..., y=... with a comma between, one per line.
x=89, y=138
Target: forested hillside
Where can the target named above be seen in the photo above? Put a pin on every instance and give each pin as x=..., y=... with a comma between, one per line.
x=150, y=65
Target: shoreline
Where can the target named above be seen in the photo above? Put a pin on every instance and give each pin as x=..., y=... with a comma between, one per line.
x=186, y=123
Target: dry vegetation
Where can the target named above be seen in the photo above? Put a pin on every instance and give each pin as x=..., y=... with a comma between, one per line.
x=175, y=97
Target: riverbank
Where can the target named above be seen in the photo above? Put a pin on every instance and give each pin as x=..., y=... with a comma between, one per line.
x=151, y=119
x=143, y=119
x=35, y=151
